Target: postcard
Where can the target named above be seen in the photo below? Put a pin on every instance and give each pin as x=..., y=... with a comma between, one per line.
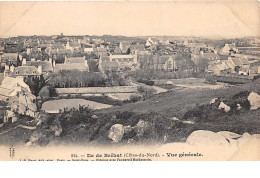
x=130, y=80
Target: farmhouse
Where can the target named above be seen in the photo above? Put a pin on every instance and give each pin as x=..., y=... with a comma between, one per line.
x=229, y=48
x=117, y=62
x=72, y=63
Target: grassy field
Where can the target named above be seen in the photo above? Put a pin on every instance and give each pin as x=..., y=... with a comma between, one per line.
x=177, y=103
x=55, y=105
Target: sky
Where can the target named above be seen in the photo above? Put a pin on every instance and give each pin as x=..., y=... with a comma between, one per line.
x=234, y=18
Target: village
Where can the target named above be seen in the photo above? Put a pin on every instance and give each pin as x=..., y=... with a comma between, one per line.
x=49, y=74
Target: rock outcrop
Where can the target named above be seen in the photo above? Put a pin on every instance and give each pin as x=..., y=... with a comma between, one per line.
x=222, y=138
x=254, y=100
x=223, y=106
x=116, y=132
x=205, y=137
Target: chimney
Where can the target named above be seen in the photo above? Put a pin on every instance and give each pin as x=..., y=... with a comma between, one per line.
x=11, y=68
x=54, y=63
x=24, y=61
x=40, y=69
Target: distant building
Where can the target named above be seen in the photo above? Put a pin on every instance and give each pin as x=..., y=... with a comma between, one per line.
x=164, y=62
x=118, y=61
x=229, y=49
x=238, y=65
x=124, y=46
x=134, y=48
x=47, y=66
x=26, y=71
x=72, y=63
x=10, y=59
x=151, y=42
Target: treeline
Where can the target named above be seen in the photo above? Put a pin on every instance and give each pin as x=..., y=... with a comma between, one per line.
x=151, y=74
x=77, y=78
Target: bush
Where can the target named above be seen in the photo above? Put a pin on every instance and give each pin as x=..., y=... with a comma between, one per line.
x=146, y=82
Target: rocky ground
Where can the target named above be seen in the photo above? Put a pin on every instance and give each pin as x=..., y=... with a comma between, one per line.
x=163, y=118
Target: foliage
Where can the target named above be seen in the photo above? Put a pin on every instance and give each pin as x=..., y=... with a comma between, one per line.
x=35, y=83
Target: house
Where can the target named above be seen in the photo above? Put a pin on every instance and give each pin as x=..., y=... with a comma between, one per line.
x=108, y=66
x=239, y=65
x=151, y=41
x=117, y=50
x=239, y=62
x=134, y=48
x=229, y=48
x=164, y=62
x=89, y=50
x=101, y=51
x=74, y=60
x=10, y=59
x=47, y=67
x=72, y=45
x=124, y=46
x=26, y=71
x=220, y=69
x=119, y=61
x=72, y=63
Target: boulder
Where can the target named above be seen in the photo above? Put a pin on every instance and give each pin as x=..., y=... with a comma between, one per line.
x=244, y=139
x=169, y=82
x=175, y=119
x=213, y=100
x=188, y=122
x=141, y=127
x=116, y=132
x=238, y=106
x=254, y=100
x=205, y=137
x=222, y=105
x=229, y=135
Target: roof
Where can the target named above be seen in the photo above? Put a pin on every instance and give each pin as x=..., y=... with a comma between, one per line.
x=46, y=66
x=125, y=43
x=10, y=56
x=121, y=56
x=160, y=59
x=100, y=49
x=75, y=60
x=244, y=61
x=236, y=61
x=211, y=56
x=70, y=66
x=74, y=44
x=57, y=46
x=105, y=58
x=110, y=64
x=231, y=46
x=117, y=50
x=61, y=51
x=137, y=47
x=25, y=71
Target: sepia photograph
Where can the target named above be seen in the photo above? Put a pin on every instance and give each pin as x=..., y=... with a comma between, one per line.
x=130, y=80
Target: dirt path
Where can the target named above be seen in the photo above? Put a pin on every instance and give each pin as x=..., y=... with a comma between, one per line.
x=21, y=126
